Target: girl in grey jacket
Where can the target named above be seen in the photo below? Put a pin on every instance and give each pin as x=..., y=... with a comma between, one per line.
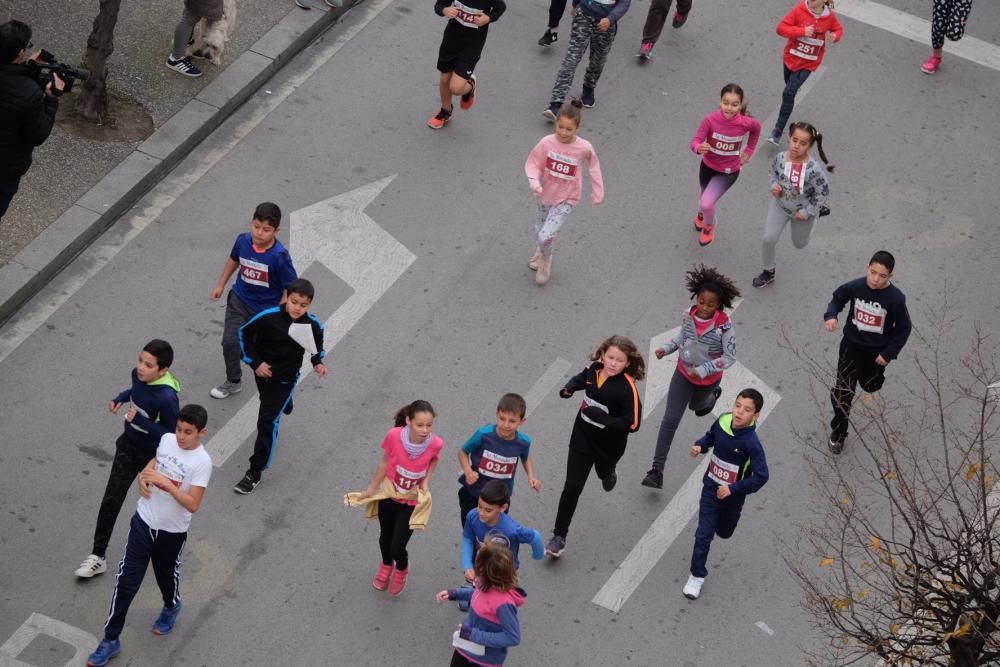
x=800, y=186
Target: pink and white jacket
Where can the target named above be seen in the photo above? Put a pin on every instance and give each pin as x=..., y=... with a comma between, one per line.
x=555, y=171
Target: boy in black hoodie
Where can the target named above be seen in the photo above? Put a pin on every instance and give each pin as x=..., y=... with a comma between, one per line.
x=273, y=342
x=877, y=327
x=151, y=413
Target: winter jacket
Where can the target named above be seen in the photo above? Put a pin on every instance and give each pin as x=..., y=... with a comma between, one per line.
x=717, y=344
x=737, y=458
x=492, y=621
x=804, y=187
x=877, y=319
x=26, y=118
x=268, y=337
x=801, y=51
x=156, y=407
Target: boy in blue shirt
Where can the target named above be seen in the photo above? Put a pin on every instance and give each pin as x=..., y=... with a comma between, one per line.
x=737, y=467
x=493, y=452
x=265, y=269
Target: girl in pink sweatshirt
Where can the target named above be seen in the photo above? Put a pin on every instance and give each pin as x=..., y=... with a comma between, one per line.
x=555, y=174
x=719, y=140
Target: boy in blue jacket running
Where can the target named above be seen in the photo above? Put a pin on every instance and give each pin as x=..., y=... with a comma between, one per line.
x=737, y=467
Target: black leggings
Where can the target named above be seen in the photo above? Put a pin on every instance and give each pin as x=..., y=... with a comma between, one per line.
x=578, y=465
x=556, y=10
x=394, y=522
x=459, y=660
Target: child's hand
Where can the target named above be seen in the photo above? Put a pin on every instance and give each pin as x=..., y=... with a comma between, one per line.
x=320, y=370
x=471, y=477
x=660, y=352
x=744, y=158
x=831, y=37
x=723, y=492
x=537, y=190
x=776, y=190
x=130, y=415
x=830, y=324
x=216, y=292
x=450, y=12
x=441, y=597
x=367, y=493
x=535, y=484
x=695, y=451
x=565, y=393
x=264, y=370
x=800, y=215
x=881, y=361
x=481, y=20
x=604, y=24
x=144, y=489
x=703, y=148
x=155, y=478
x=470, y=575
x=810, y=30
x=113, y=407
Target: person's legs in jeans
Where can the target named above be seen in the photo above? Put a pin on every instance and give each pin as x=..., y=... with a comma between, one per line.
x=8, y=188
x=793, y=81
x=128, y=463
x=578, y=465
x=183, y=34
x=600, y=46
x=709, y=508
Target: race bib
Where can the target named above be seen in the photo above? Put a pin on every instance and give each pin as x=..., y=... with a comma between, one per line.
x=807, y=48
x=406, y=480
x=869, y=316
x=796, y=175
x=589, y=402
x=493, y=465
x=722, y=472
x=721, y=144
x=254, y=273
x=561, y=166
x=466, y=15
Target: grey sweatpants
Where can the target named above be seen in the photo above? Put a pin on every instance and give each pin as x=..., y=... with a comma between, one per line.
x=777, y=218
x=237, y=314
x=681, y=394
x=583, y=34
x=183, y=34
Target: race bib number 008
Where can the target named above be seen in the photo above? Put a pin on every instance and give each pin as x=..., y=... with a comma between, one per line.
x=720, y=144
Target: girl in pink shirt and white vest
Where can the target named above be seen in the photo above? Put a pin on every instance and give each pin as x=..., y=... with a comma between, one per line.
x=707, y=346
x=555, y=174
x=410, y=454
x=719, y=140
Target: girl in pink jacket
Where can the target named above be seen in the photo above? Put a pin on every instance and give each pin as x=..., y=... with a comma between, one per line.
x=719, y=140
x=555, y=174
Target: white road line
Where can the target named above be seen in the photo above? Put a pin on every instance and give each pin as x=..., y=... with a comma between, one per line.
x=803, y=91
x=765, y=628
x=51, y=298
x=37, y=625
x=543, y=385
x=919, y=30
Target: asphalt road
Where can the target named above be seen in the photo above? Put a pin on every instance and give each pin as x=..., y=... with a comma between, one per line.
x=282, y=576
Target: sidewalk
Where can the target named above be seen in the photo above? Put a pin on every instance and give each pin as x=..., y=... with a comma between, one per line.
x=76, y=187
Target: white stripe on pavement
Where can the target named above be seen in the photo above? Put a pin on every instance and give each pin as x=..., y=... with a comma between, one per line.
x=543, y=385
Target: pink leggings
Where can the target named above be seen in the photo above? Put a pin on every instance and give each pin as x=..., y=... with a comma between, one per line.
x=713, y=185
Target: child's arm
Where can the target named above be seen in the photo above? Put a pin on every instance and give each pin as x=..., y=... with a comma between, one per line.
x=494, y=12
x=247, y=335
x=776, y=175
x=758, y=464
x=376, y=478
x=444, y=8
x=899, y=335
x=596, y=179
x=699, y=145
x=117, y=401
x=529, y=469
x=144, y=490
x=189, y=500
x=317, y=359
x=425, y=483
x=471, y=476
x=464, y=593
x=468, y=550
x=537, y=544
x=619, y=10
x=838, y=30
x=630, y=418
x=533, y=168
x=509, y=634
x=787, y=27
x=575, y=384
x=165, y=421
x=818, y=188
x=227, y=272
x=841, y=296
x=754, y=132
x=704, y=443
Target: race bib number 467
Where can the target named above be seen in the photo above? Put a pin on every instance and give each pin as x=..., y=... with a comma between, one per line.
x=254, y=273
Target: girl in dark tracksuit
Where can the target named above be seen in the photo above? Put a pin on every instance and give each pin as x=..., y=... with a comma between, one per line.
x=610, y=410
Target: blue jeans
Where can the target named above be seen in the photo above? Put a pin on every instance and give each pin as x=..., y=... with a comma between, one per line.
x=715, y=517
x=793, y=81
x=8, y=188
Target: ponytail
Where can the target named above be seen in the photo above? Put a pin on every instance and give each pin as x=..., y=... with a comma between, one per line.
x=822, y=153
x=407, y=411
x=737, y=90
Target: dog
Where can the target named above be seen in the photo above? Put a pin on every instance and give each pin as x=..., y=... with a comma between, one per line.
x=213, y=35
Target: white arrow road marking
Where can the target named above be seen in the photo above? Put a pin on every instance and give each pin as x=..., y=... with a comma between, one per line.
x=37, y=625
x=51, y=298
x=675, y=516
x=543, y=385
x=338, y=234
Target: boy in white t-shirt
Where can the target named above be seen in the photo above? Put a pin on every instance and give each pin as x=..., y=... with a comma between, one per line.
x=172, y=486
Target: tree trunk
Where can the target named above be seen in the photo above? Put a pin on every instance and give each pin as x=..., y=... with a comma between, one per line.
x=92, y=102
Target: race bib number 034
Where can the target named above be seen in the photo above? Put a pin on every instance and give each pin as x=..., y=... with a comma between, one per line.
x=492, y=464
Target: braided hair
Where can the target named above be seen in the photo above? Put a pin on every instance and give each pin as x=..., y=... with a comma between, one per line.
x=705, y=278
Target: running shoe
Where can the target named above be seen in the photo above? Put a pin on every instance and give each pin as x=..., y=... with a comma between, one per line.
x=535, y=260
x=397, y=581
x=679, y=19
x=587, y=97
x=92, y=565
x=707, y=235
x=931, y=65
x=226, y=389
x=824, y=211
x=653, y=479
x=764, y=279
x=106, y=650
x=692, y=589
x=774, y=138
x=710, y=405
x=836, y=445
x=552, y=111
x=645, y=51
x=304, y=4
x=437, y=121
x=165, y=623
x=699, y=222
x=544, y=270
x=249, y=482
x=556, y=546
x=470, y=97
x=609, y=482
x=184, y=66
x=549, y=38
x=381, y=580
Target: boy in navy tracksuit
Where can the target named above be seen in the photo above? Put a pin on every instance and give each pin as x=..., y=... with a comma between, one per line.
x=273, y=342
x=151, y=408
x=737, y=467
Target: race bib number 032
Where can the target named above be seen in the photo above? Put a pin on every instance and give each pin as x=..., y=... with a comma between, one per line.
x=869, y=316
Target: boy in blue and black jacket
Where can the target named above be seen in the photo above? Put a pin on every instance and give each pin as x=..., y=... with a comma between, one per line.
x=737, y=467
x=151, y=412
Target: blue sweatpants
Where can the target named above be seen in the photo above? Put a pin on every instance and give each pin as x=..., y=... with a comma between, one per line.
x=143, y=545
x=715, y=517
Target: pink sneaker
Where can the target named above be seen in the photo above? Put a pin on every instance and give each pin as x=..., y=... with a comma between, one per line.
x=381, y=579
x=931, y=65
x=397, y=582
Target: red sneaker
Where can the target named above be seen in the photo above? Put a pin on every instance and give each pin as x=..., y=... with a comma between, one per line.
x=437, y=121
x=397, y=581
x=707, y=235
x=699, y=222
x=470, y=97
x=381, y=579
x=931, y=65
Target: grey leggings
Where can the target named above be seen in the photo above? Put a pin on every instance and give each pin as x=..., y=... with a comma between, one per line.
x=681, y=394
x=183, y=34
x=777, y=218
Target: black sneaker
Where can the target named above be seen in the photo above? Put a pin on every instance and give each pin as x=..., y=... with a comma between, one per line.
x=183, y=66
x=549, y=38
x=587, y=97
x=824, y=211
x=249, y=482
x=653, y=479
x=764, y=279
x=836, y=445
x=556, y=546
x=609, y=482
x=679, y=19
x=705, y=409
x=553, y=111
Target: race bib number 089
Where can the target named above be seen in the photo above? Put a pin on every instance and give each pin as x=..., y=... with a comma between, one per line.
x=722, y=472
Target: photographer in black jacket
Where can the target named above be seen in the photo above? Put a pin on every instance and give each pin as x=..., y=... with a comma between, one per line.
x=26, y=112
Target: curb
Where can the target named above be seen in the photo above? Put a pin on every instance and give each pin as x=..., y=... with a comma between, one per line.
x=98, y=209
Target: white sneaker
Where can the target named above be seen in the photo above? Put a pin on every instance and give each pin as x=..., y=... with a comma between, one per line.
x=92, y=565
x=692, y=589
x=226, y=389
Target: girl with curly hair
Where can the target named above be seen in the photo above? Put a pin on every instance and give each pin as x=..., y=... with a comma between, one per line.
x=707, y=346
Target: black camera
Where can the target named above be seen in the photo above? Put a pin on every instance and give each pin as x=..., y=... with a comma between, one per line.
x=46, y=65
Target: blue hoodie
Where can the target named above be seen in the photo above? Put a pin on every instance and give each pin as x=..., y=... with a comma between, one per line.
x=156, y=407
x=492, y=621
x=738, y=459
